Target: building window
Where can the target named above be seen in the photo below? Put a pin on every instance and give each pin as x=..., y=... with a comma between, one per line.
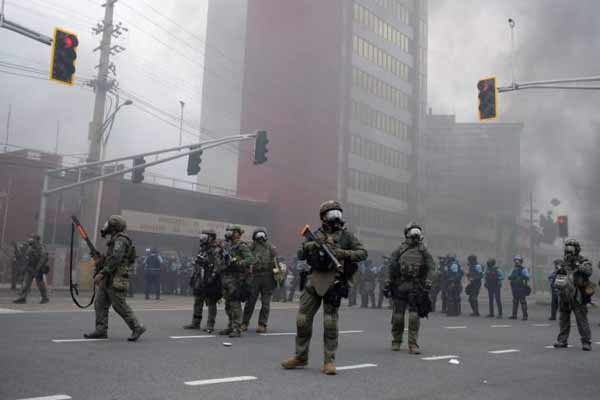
x=375, y=119
x=379, y=57
x=396, y=7
x=369, y=183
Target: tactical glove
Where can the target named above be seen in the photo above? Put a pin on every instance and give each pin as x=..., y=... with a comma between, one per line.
x=309, y=247
x=341, y=254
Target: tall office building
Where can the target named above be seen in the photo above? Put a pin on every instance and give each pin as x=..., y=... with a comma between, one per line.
x=341, y=88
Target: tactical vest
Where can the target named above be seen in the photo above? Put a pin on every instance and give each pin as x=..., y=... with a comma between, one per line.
x=263, y=258
x=411, y=264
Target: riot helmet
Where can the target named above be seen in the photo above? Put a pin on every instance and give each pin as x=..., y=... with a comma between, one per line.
x=113, y=225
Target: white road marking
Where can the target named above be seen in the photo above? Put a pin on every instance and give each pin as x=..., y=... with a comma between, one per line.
x=541, y=324
x=192, y=337
x=455, y=327
x=435, y=358
x=294, y=333
x=278, y=334
x=54, y=397
x=10, y=311
x=358, y=366
x=221, y=380
x=504, y=351
x=552, y=347
x=501, y=326
x=77, y=340
x=597, y=342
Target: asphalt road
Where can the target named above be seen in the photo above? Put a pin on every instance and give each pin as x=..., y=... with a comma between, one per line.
x=497, y=359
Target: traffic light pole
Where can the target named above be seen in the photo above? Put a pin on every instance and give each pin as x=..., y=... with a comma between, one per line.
x=553, y=84
x=80, y=168
x=21, y=30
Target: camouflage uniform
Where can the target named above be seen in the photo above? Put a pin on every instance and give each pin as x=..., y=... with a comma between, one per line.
x=36, y=264
x=112, y=289
x=367, y=287
x=410, y=269
x=206, y=283
x=573, y=298
x=238, y=261
x=263, y=282
x=319, y=289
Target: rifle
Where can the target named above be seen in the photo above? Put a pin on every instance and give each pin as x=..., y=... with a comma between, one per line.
x=310, y=236
x=96, y=255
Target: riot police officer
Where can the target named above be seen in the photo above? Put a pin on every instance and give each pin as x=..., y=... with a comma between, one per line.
x=326, y=284
x=555, y=292
x=411, y=267
x=475, y=275
x=576, y=290
x=263, y=279
x=519, y=284
x=493, y=284
x=234, y=277
x=205, y=281
x=112, y=278
x=454, y=275
x=35, y=266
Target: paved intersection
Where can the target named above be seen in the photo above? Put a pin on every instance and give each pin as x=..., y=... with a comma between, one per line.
x=463, y=358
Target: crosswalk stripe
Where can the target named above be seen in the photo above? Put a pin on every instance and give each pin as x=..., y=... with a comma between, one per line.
x=504, y=351
x=77, y=340
x=221, y=380
x=53, y=397
x=10, y=311
x=435, y=358
x=552, y=347
x=455, y=327
x=541, y=325
x=358, y=366
x=192, y=337
x=347, y=332
x=501, y=326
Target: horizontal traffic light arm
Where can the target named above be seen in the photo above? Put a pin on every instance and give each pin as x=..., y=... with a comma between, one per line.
x=553, y=84
x=201, y=147
x=20, y=29
x=155, y=152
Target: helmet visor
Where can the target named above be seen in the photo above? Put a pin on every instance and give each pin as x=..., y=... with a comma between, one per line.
x=203, y=237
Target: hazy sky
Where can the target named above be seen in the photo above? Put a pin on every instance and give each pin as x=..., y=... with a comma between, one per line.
x=164, y=59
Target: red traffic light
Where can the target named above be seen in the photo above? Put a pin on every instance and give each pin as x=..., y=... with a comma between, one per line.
x=70, y=41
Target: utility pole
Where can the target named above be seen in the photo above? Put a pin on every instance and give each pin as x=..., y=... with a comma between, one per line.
x=102, y=85
x=7, y=128
x=57, y=136
x=181, y=123
x=532, y=241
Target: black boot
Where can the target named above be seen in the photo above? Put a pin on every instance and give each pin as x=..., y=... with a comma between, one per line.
x=95, y=335
x=137, y=332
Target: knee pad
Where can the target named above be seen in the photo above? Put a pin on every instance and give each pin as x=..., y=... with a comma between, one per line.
x=330, y=327
x=397, y=318
x=302, y=325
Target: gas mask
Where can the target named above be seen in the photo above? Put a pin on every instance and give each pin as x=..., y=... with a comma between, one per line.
x=414, y=235
x=203, y=238
x=228, y=236
x=106, y=230
x=260, y=236
x=333, y=219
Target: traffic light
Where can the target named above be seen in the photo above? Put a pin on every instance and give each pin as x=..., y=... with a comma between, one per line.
x=563, y=226
x=260, y=149
x=488, y=103
x=63, y=56
x=137, y=175
x=194, y=161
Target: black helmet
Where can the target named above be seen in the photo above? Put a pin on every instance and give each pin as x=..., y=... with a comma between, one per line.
x=491, y=261
x=472, y=259
x=572, y=247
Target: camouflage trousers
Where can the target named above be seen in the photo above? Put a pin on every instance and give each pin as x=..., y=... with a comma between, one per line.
x=233, y=306
x=262, y=284
x=400, y=307
x=583, y=325
x=199, y=302
x=28, y=277
x=310, y=302
x=105, y=297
